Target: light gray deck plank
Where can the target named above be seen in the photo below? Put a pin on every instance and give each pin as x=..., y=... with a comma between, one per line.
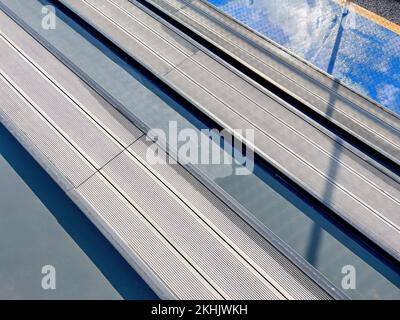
x=358, y=192
x=140, y=242
x=50, y=149
x=194, y=238
x=115, y=195
x=90, y=138
x=141, y=26
x=264, y=258
x=349, y=110
x=90, y=101
x=131, y=44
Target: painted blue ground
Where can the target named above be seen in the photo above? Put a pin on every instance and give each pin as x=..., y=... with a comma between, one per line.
x=355, y=50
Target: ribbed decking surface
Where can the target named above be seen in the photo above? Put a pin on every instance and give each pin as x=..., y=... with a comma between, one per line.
x=349, y=110
x=317, y=160
x=182, y=240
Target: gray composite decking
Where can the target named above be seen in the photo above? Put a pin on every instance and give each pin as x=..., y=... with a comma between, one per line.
x=354, y=113
x=183, y=240
x=357, y=189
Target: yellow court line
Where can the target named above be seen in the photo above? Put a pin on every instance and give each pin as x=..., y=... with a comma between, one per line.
x=371, y=16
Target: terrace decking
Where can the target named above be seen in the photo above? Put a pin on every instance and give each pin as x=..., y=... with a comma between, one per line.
x=350, y=111
x=183, y=240
x=354, y=187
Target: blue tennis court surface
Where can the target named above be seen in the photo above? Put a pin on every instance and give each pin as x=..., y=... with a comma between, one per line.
x=359, y=52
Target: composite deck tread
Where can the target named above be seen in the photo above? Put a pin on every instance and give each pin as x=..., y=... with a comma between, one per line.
x=319, y=162
x=251, y=245
x=58, y=124
x=224, y=268
x=91, y=102
x=94, y=143
x=140, y=242
x=356, y=114
x=61, y=160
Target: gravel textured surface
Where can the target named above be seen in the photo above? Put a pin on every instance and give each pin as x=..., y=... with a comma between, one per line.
x=389, y=9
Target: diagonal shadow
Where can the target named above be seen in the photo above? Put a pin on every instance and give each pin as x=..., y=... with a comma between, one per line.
x=316, y=233
x=112, y=265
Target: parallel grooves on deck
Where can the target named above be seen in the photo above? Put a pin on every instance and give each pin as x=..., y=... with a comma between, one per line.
x=345, y=108
x=99, y=193
x=360, y=193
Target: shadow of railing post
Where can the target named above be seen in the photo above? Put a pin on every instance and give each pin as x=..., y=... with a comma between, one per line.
x=315, y=238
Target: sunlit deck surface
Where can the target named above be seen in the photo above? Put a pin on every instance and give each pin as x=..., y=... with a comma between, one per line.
x=35, y=211
x=84, y=117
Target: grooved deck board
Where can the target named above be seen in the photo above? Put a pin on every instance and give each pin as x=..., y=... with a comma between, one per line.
x=48, y=147
x=351, y=111
x=133, y=236
x=171, y=237
x=267, y=260
x=92, y=141
x=212, y=256
x=319, y=162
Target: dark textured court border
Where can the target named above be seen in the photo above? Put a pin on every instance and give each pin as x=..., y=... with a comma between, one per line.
x=388, y=9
